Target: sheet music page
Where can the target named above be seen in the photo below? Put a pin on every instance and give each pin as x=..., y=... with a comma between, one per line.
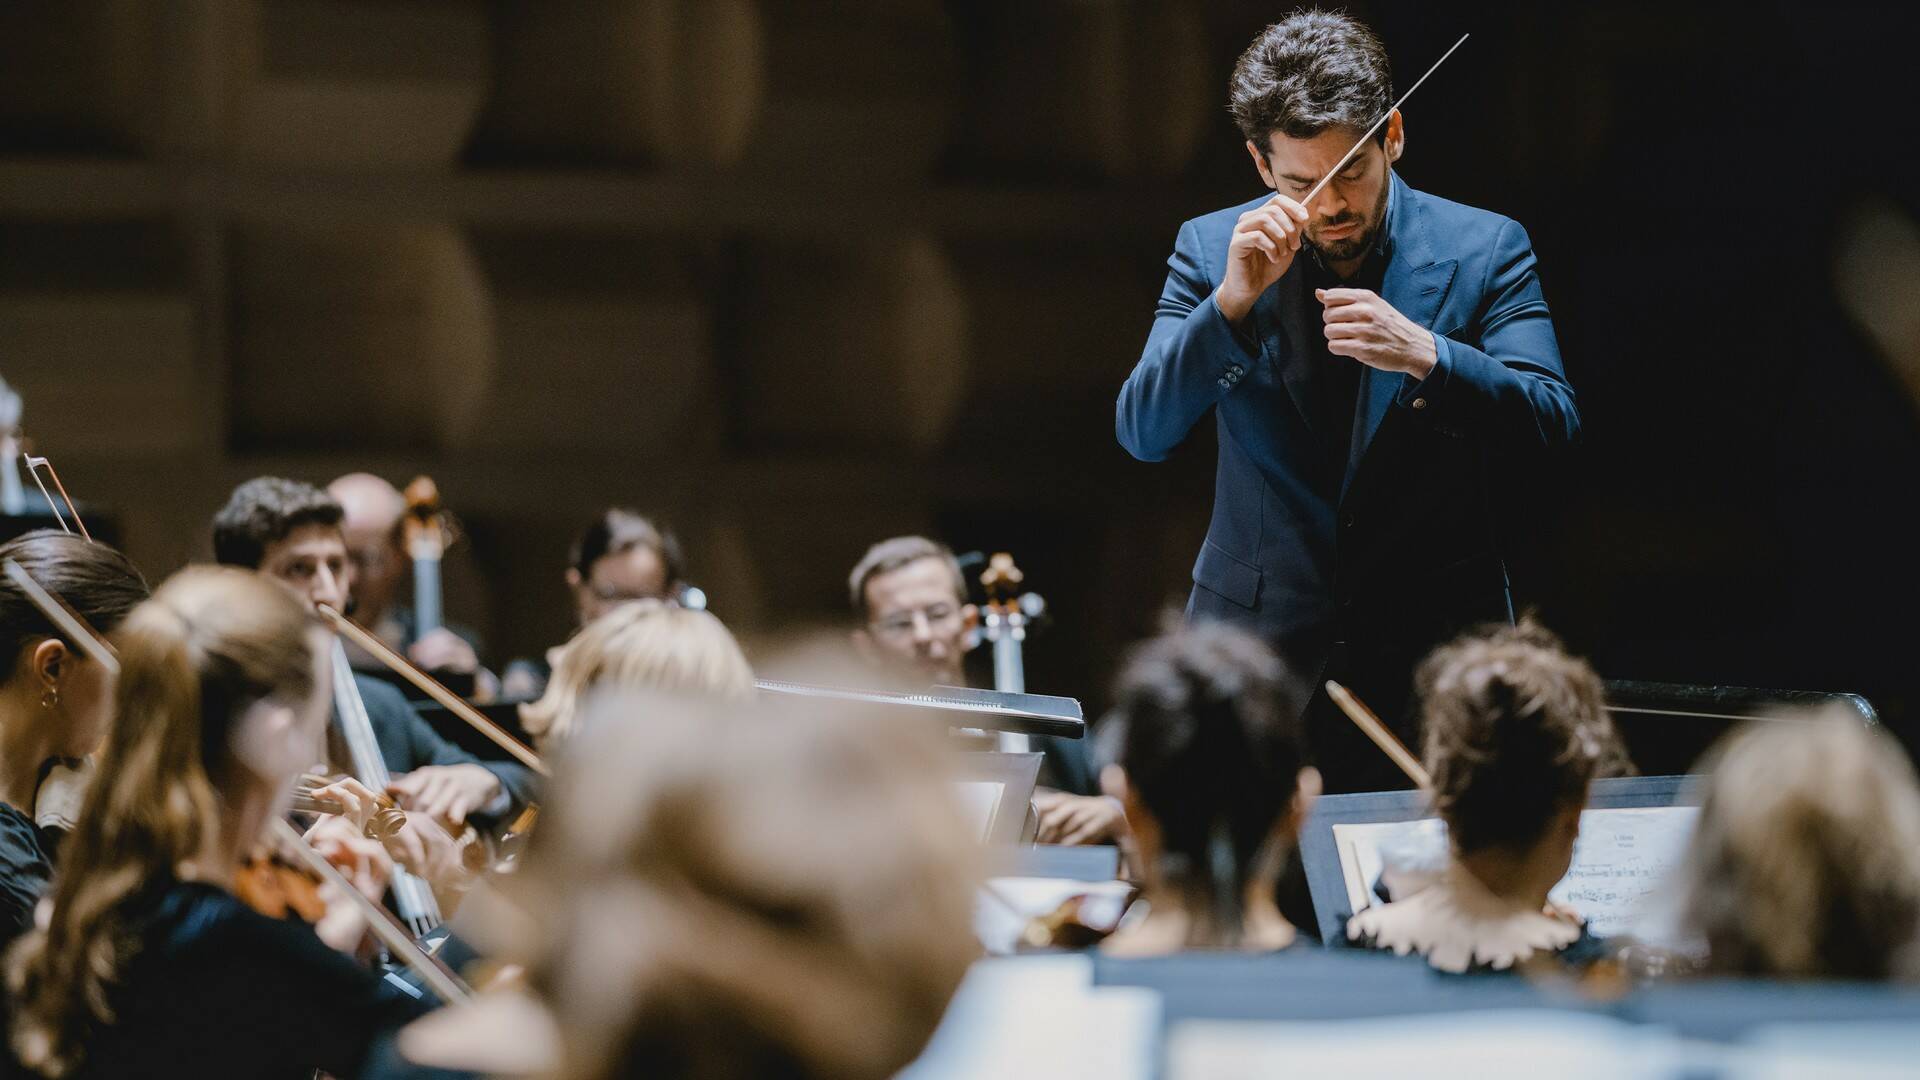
x=979, y=801
x=1621, y=856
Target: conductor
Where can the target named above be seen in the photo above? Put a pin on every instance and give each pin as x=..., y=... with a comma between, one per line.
x=1377, y=359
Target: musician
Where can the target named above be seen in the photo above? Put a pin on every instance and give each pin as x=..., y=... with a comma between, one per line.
x=372, y=510
x=1805, y=863
x=148, y=963
x=911, y=600
x=1205, y=747
x=621, y=556
x=642, y=646
x=806, y=913
x=289, y=530
x=1516, y=731
x=1376, y=360
x=55, y=701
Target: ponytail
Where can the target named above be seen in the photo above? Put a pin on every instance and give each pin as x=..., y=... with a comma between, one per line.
x=192, y=658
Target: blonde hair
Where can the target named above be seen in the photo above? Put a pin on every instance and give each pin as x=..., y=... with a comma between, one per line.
x=1806, y=860
x=210, y=642
x=643, y=645
x=727, y=894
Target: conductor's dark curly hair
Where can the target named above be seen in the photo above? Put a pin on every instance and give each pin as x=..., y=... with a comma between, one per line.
x=1311, y=71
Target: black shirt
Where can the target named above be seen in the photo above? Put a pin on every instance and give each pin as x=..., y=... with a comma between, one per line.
x=218, y=990
x=1335, y=380
x=26, y=868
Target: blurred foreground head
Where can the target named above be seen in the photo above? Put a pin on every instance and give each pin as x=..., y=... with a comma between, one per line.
x=722, y=893
x=1806, y=861
x=1205, y=749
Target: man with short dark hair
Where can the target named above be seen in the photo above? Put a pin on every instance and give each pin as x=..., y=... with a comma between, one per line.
x=290, y=531
x=911, y=600
x=1375, y=358
x=623, y=556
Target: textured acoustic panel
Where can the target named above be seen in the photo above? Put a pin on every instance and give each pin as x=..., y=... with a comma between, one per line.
x=1070, y=88
x=364, y=338
x=340, y=84
x=857, y=90
x=77, y=75
x=99, y=333
x=605, y=345
x=671, y=82
x=104, y=372
x=862, y=344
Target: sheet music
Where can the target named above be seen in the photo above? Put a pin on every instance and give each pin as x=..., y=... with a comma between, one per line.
x=1622, y=855
x=980, y=800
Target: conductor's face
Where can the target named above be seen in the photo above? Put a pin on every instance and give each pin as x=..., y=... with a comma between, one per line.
x=1347, y=215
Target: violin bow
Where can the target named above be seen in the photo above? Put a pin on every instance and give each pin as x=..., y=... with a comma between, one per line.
x=34, y=465
x=440, y=978
x=432, y=687
x=1366, y=721
x=1391, y=109
x=64, y=618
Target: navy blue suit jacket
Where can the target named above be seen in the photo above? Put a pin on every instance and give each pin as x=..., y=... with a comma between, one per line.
x=1409, y=553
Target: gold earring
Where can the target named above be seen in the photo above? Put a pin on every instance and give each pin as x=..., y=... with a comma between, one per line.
x=50, y=699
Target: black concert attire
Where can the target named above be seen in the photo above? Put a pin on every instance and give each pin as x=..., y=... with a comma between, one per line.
x=215, y=989
x=26, y=869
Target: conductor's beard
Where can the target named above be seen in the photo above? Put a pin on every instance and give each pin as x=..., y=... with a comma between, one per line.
x=1360, y=241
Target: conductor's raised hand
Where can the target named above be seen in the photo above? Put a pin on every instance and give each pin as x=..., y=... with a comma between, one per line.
x=1359, y=324
x=1265, y=240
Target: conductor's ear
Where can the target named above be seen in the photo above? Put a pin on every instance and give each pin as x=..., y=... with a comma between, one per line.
x=1396, y=137
x=1260, y=163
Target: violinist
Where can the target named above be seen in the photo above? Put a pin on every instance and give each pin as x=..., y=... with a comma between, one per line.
x=646, y=645
x=620, y=557
x=1805, y=863
x=55, y=701
x=1206, y=750
x=372, y=511
x=147, y=960
x=914, y=625
x=1516, y=731
x=290, y=531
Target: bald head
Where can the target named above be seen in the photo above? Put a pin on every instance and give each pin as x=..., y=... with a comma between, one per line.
x=373, y=512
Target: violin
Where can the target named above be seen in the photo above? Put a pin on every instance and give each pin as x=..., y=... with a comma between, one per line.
x=275, y=887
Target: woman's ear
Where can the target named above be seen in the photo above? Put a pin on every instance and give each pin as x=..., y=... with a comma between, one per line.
x=573, y=577
x=49, y=660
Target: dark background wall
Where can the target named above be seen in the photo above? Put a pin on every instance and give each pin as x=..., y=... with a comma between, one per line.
x=797, y=275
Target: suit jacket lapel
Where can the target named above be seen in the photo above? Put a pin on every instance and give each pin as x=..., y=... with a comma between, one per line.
x=1416, y=286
